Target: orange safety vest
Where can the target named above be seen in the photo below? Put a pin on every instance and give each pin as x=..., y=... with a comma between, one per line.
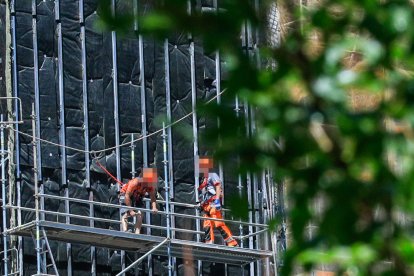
x=138, y=191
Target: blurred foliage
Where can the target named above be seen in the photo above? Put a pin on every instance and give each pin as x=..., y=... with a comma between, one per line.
x=340, y=98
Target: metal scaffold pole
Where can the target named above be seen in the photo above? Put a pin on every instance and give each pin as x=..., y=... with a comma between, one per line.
x=167, y=198
x=3, y=195
x=257, y=195
x=133, y=170
x=116, y=109
x=133, y=173
x=85, y=128
x=17, y=137
x=249, y=188
x=36, y=192
x=272, y=216
x=195, y=128
x=265, y=206
x=36, y=83
x=239, y=182
x=62, y=126
x=169, y=134
x=143, y=99
x=247, y=45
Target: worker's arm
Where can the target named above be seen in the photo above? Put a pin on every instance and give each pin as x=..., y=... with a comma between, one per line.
x=128, y=199
x=219, y=192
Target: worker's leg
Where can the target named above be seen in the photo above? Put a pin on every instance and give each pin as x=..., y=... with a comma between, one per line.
x=224, y=230
x=208, y=227
x=138, y=222
x=124, y=213
x=124, y=222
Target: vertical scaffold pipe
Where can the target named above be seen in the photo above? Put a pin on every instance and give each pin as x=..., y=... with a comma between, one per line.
x=265, y=220
x=133, y=170
x=17, y=136
x=195, y=129
x=257, y=194
x=240, y=188
x=260, y=189
x=37, y=95
x=169, y=135
x=167, y=197
x=143, y=102
x=218, y=91
x=36, y=191
x=143, y=99
x=62, y=127
x=239, y=183
x=249, y=189
x=116, y=111
x=144, y=129
x=246, y=44
x=85, y=128
x=272, y=215
x=195, y=141
x=116, y=99
x=3, y=195
x=36, y=86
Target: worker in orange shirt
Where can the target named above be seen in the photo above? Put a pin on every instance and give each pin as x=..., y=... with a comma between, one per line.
x=210, y=195
x=132, y=194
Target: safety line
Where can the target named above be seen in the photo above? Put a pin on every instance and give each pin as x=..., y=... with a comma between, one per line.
x=108, y=173
x=94, y=152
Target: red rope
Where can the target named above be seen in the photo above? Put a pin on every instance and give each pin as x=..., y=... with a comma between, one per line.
x=108, y=173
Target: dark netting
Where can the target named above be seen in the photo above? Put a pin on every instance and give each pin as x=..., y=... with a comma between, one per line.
x=3, y=54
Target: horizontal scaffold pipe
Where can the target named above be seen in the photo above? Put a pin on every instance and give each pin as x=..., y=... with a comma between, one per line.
x=147, y=210
x=183, y=204
x=29, y=225
x=97, y=219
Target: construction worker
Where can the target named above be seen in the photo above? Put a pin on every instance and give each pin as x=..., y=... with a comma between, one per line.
x=210, y=195
x=133, y=192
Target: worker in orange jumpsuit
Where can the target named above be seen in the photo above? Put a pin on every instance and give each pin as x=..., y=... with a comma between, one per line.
x=132, y=193
x=210, y=195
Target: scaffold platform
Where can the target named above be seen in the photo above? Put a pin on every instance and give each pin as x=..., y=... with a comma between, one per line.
x=141, y=243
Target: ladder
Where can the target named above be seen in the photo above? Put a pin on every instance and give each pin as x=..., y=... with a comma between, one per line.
x=46, y=251
x=16, y=272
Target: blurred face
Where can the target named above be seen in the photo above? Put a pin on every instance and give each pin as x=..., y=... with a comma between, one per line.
x=149, y=177
x=205, y=164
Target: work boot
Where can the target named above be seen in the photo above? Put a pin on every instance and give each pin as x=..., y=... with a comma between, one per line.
x=232, y=242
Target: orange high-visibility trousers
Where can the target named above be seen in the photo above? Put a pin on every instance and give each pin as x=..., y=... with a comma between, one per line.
x=208, y=226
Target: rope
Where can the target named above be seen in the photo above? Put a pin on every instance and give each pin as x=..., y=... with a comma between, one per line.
x=108, y=173
x=114, y=147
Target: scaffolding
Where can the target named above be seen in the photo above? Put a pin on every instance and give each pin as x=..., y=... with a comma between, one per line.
x=259, y=249
x=59, y=226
